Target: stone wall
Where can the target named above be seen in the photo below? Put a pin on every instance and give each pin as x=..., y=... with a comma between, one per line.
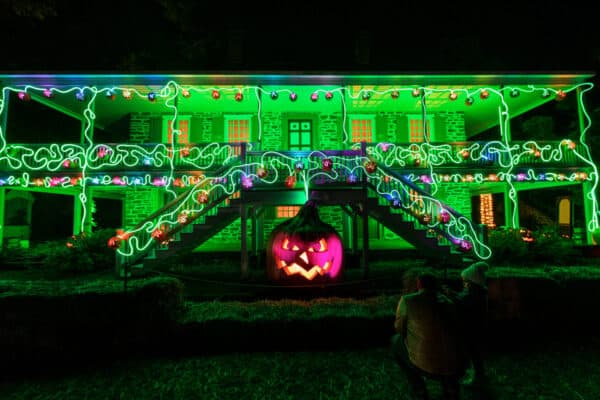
x=455, y=127
x=457, y=196
x=272, y=132
x=329, y=136
x=139, y=128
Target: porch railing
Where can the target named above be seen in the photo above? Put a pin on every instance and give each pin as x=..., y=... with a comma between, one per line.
x=72, y=158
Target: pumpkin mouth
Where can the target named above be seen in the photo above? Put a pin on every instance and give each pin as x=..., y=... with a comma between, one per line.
x=294, y=269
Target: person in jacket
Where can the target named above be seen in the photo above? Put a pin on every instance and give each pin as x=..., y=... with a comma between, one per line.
x=427, y=343
x=472, y=303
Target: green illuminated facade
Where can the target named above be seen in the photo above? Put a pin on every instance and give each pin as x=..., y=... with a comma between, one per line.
x=432, y=161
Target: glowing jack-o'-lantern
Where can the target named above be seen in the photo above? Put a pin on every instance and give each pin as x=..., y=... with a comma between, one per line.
x=304, y=248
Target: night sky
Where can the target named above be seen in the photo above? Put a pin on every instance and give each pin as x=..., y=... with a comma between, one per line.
x=193, y=36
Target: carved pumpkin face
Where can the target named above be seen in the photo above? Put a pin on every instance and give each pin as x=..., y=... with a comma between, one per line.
x=304, y=248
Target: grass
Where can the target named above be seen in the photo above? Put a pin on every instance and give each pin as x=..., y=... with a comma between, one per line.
x=547, y=370
x=290, y=309
x=541, y=368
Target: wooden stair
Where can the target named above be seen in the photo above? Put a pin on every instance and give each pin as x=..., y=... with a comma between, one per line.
x=425, y=240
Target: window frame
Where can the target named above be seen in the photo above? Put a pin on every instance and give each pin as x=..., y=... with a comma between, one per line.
x=430, y=124
x=166, y=125
x=372, y=118
x=289, y=132
x=238, y=117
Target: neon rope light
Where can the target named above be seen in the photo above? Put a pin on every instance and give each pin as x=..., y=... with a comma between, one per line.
x=157, y=165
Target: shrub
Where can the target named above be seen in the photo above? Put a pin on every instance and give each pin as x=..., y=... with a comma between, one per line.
x=546, y=247
x=81, y=253
x=507, y=245
x=550, y=247
x=160, y=299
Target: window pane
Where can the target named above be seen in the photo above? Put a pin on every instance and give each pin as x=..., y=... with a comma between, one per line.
x=287, y=211
x=362, y=130
x=238, y=130
x=294, y=138
x=300, y=134
x=305, y=138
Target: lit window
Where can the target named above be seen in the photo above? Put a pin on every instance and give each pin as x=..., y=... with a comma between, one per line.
x=486, y=210
x=416, y=201
x=287, y=211
x=184, y=129
x=237, y=128
x=416, y=130
x=363, y=128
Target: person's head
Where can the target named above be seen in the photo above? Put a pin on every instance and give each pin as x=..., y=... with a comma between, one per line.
x=427, y=280
x=474, y=274
x=409, y=280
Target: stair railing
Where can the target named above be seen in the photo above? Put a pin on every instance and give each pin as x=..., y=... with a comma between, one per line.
x=164, y=225
x=449, y=226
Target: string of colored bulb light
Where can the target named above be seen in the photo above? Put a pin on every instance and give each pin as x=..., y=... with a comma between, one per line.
x=170, y=93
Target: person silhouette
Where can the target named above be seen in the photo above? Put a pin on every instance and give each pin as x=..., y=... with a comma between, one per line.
x=427, y=343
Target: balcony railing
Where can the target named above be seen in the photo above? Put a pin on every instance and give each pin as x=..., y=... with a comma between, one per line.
x=155, y=158
x=480, y=155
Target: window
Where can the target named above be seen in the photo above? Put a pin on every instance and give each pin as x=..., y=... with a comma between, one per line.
x=416, y=201
x=415, y=128
x=300, y=134
x=184, y=128
x=237, y=128
x=486, y=210
x=363, y=128
x=287, y=211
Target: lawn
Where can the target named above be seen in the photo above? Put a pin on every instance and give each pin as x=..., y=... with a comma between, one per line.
x=545, y=369
x=539, y=366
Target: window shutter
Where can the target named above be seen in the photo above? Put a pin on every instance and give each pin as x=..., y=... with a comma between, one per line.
x=380, y=135
x=196, y=129
x=440, y=128
x=254, y=129
x=402, y=133
x=155, y=130
x=218, y=129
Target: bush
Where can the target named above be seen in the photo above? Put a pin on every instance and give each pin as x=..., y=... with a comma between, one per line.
x=507, y=245
x=81, y=253
x=549, y=247
x=546, y=246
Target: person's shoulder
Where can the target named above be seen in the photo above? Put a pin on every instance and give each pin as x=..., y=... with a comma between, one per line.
x=410, y=296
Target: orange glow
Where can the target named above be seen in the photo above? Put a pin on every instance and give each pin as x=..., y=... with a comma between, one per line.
x=486, y=210
x=287, y=211
x=295, y=269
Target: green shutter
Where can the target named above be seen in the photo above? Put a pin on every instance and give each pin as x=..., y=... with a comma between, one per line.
x=218, y=129
x=439, y=132
x=253, y=129
x=402, y=134
x=156, y=130
x=195, y=134
x=380, y=135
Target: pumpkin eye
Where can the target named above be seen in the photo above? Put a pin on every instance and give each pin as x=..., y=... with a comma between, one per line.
x=322, y=247
x=286, y=245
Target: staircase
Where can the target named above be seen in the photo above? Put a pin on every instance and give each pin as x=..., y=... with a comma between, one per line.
x=194, y=234
x=430, y=225
x=184, y=223
x=424, y=239
x=435, y=229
